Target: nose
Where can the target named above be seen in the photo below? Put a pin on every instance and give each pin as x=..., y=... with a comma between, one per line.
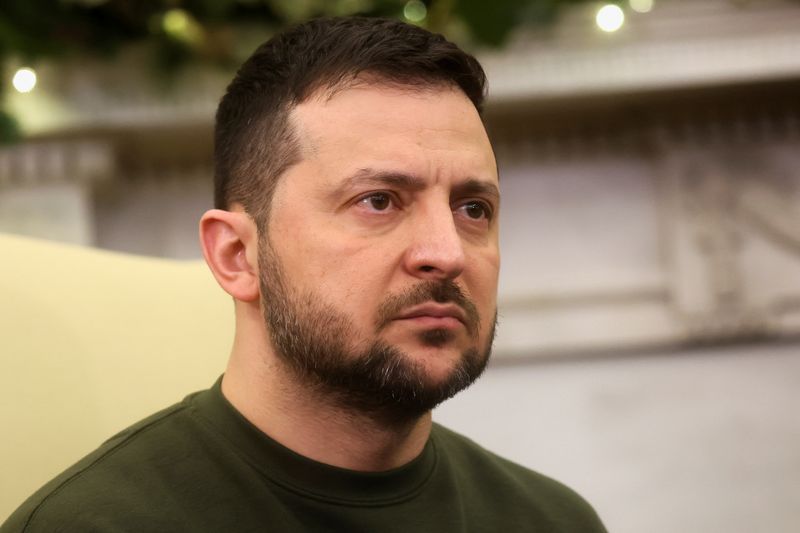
x=436, y=250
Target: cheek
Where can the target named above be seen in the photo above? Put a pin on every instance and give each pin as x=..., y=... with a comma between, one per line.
x=348, y=275
x=482, y=280
x=342, y=263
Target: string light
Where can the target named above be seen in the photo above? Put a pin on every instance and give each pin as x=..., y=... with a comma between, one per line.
x=610, y=18
x=24, y=80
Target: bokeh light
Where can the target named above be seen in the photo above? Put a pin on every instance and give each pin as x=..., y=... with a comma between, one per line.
x=610, y=18
x=415, y=11
x=24, y=80
x=176, y=21
x=641, y=6
x=180, y=25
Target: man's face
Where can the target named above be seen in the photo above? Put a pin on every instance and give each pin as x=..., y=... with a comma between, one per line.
x=379, y=269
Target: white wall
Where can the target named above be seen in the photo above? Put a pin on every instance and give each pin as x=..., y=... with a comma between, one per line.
x=60, y=212
x=156, y=217
x=693, y=442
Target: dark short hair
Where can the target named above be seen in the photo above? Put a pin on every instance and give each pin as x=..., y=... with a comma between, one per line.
x=253, y=140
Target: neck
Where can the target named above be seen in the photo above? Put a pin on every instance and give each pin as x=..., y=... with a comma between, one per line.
x=312, y=424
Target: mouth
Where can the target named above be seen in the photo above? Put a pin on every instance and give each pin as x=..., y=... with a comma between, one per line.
x=434, y=315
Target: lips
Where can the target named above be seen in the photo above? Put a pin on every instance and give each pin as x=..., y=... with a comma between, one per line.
x=434, y=311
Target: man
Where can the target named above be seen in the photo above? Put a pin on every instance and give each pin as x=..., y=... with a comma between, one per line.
x=356, y=229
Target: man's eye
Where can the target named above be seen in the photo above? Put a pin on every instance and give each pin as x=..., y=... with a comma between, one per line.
x=379, y=201
x=476, y=210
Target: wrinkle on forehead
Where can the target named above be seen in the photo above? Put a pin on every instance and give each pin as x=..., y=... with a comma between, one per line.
x=425, y=90
x=324, y=124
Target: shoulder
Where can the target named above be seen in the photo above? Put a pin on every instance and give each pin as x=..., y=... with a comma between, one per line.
x=513, y=486
x=114, y=475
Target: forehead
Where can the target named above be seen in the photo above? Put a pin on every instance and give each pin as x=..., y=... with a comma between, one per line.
x=435, y=129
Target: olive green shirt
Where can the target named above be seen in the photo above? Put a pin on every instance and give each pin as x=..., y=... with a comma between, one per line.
x=201, y=466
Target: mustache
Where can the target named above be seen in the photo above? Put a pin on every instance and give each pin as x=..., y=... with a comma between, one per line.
x=445, y=291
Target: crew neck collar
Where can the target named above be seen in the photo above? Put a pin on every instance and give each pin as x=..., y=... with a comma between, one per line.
x=305, y=476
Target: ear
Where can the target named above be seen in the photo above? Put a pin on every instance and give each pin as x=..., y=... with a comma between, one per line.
x=230, y=246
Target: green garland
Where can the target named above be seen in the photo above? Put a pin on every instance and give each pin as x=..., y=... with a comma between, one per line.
x=204, y=31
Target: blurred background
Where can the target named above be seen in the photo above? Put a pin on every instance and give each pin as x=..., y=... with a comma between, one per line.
x=649, y=154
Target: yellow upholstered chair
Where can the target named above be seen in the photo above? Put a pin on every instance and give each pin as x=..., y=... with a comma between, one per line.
x=90, y=342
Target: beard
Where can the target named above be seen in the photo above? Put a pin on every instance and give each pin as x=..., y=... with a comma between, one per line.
x=376, y=379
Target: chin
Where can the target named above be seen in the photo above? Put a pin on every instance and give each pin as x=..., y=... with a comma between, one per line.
x=437, y=363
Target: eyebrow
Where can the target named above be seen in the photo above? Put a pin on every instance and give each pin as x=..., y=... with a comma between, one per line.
x=473, y=187
x=401, y=180
x=368, y=176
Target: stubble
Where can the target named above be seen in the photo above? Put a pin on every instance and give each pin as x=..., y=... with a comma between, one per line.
x=316, y=342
